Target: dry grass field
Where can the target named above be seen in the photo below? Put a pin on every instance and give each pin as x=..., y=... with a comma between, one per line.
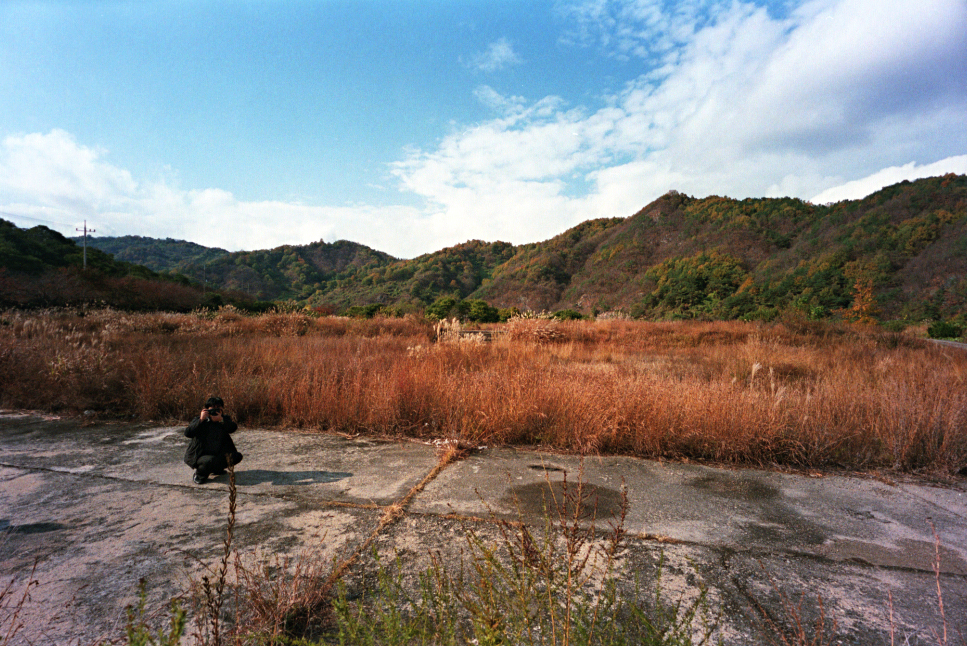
x=798, y=394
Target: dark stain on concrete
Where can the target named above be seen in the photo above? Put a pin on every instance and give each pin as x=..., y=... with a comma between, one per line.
x=539, y=498
x=251, y=477
x=30, y=528
x=906, y=553
x=775, y=521
x=737, y=486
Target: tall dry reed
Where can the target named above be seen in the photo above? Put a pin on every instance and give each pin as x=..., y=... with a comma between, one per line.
x=796, y=394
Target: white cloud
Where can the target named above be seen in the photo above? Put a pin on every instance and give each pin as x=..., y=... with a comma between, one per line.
x=650, y=30
x=734, y=100
x=498, y=55
x=860, y=188
x=60, y=175
x=52, y=177
x=843, y=68
x=493, y=99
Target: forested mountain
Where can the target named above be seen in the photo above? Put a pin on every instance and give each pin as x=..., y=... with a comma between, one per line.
x=158, y=255
x=291, y=272
x=901, y=252
x=40, y=267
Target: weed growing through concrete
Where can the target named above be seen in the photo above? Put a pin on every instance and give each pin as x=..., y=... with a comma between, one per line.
x=942, y=636
x=556, y=586
x=139, y=633
x=277, y=597
x=210, y=591
x=790, y=627
x=392, y=614
x=12, y=602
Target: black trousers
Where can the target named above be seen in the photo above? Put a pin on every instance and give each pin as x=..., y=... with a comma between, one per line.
x=208, y=464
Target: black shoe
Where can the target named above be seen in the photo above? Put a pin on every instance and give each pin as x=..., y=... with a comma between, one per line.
x=218, y=473
x=199, y=478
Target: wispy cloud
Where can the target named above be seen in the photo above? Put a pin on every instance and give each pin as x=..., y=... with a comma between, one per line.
x=649, y=30
x=496, y=101
x=498, y=55
x=862, y=187
x=743, y=101
x=54, y=178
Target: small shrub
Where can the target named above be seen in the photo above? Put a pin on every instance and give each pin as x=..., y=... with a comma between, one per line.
x=945, y=330
x=441, y=308
x=482, y=312
x=554, y=585
x=139, y=633
x=895, y=326
x=568, y=315
x=364, y=311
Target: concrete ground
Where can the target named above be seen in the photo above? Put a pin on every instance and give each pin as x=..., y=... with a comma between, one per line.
x=99, y=507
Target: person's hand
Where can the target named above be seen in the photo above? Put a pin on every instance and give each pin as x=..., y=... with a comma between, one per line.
x=204, y=414
x=216, y=416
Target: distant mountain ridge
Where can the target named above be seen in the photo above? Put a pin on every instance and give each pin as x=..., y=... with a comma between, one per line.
x=900, y=252
x=40, y=268
x=155, y=254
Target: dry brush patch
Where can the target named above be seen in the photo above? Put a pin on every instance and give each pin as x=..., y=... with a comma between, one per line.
x=792, y=393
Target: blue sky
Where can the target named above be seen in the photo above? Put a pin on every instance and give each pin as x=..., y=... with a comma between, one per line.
x=412, y=125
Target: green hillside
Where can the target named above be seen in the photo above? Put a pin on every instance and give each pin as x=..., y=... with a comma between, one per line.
x=37, y=249
x=39, y=267
x=291, y=272
x=457, y=271
x=899, y=253
x=904, y=248
x=158, y=255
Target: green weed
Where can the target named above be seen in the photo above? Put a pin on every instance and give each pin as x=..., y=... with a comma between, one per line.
x=556, y=585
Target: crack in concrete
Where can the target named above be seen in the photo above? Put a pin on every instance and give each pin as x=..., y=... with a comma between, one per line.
x=933, y=504
x=397, y=510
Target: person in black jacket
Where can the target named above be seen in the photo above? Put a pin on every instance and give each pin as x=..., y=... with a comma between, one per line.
x=211, y=445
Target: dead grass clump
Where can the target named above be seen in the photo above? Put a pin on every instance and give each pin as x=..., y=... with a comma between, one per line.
x=285, y=324
x=536, y=330
x=410, y=325
x=277, y=596
x=332, y=326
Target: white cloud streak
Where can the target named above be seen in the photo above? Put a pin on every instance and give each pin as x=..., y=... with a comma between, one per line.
x=894, y=174
x=498, y=55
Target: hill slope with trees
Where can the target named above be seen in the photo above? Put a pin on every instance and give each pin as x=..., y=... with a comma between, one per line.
x=898, y=253
x=157, y=255
x=40, y=267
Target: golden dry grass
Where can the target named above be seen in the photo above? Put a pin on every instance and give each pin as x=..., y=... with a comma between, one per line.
x=795, y=393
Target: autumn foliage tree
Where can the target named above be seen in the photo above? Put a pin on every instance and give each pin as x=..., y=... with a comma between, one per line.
x=864, y=308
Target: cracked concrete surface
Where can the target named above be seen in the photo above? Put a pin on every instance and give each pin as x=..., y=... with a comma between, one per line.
x=99, y=507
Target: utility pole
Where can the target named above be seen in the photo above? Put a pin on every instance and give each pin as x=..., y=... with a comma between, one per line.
x=86, y=231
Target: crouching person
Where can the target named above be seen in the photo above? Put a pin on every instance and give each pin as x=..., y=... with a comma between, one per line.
x=211, y=445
